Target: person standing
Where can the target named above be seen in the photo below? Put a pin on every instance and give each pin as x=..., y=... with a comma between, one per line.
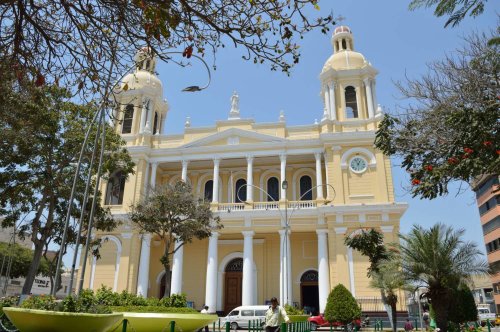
x=425, y=318
x=204, y=311
x=408, y=325
x=275, y=315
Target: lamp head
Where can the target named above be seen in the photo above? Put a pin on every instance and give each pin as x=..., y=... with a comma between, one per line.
x=284, y=184
x=192, y=88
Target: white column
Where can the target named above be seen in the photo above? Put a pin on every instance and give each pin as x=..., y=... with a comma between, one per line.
x=327, y=100
x=285, y=268
x=250, y=179
x=185, y=164
x=323, y=270
x=146, y=180
x=143, y=115
x=176, y=287
x=319, y=176
x=283, y=175
x=369, y=97
x=374, y=93
x=154, y=166
x=211, y=282
x=333, y=108
x=215, y=193
x=143, y=279
x=350, y=264
x=327, y=182
x=289, y=282
x=247, y=288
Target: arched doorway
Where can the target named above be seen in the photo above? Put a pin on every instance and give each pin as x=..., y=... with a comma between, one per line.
x=232, y=284
x=163, y=282
x=309, y=293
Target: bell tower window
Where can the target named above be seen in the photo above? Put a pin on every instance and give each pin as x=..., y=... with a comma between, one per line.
x=344, y=44
x=273, y=189
x=115, y=189
x=128, y=117
x=351, y=105
x=155, y=124
x=240, y=193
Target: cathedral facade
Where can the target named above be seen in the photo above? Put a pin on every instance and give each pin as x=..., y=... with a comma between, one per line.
x=288, y=196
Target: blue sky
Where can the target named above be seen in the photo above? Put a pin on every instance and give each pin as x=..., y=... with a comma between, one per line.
x=396, y=41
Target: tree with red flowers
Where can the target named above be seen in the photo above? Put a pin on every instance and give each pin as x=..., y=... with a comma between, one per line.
x=451, y=130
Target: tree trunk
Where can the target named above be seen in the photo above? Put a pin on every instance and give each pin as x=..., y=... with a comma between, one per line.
x=388, y=308
x=33, y=270
x=166, y=264
x=440, y=303
x=394, y=322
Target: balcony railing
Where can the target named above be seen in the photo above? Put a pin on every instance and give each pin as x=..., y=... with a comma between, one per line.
x=230, y=207
x=291, y=205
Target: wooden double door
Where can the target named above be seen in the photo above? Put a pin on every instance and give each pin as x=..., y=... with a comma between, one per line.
x=232, y=290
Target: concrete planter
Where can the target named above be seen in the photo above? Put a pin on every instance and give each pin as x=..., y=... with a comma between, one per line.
x=145, y=321
x=31, y=320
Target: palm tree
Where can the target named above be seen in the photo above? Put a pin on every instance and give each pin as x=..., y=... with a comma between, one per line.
x=389, y=280
x=438, y=259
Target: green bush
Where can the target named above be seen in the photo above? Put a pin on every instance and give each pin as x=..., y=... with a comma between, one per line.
x=341, y=306
x=86, y=302
x=41, y=302
x=160, y=309
x=175, y=301
x=106, y=296
x=292, y=310
x=8, y=301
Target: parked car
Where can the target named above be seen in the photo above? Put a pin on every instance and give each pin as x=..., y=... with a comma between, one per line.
x=241, y=316
x=485, y=315
x=319, y=321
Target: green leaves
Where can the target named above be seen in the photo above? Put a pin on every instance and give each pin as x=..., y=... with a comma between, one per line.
x=341, y=306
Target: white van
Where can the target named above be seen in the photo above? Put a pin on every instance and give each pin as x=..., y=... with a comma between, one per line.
x=240, y=317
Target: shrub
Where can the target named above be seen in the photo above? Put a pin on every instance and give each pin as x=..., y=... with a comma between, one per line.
x=8, y=301
x=292, y=310
x=175, y=301
x=341, y=306
x=159, y=309
x=106, y=296
x=41, y=302
x=86, y=302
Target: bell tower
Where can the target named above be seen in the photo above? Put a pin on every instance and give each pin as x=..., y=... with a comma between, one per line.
x=347, y=82
x=141, y=109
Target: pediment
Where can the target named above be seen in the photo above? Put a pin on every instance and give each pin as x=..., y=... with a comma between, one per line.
x=233, y=136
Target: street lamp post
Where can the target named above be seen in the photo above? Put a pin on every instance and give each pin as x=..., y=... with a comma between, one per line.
x=285, y=262
x=101, y=133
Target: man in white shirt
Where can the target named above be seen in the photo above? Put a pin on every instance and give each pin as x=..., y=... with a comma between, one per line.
x=275, y=315
x=205, y=311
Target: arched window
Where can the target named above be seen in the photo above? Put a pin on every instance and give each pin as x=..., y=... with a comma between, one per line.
x=115, y=189
x=155, y=124
x=235, y=265
x=273, y=189
x=344, y=45
x=351, y=105
x=209, y=191
x=128, y=116
x=240, y=191
x=305, y=188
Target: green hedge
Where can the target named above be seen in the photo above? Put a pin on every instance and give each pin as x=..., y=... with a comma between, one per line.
x=159, y=309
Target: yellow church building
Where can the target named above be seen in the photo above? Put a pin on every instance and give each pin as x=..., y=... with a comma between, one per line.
x=286, y=195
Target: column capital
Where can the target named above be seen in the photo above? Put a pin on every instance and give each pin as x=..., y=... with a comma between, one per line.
x=331, y=84
x=216, y=161
x=146, y=237
x=336, y=148
x=322, y=232
x=317, y=155
x=367, y=81
x=248, y=233
x=283, y=157
x=282, y=232
x=154, y=163
x=185, y=162
x=250, y=159
x=214, y=235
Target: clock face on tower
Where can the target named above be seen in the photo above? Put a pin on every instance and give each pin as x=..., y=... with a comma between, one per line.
x=358, y=164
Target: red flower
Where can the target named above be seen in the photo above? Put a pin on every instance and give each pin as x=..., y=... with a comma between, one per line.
x=468, y=150
x=415, y=182
x=487, y=143
x=429, y=167
x=498, y=152
x=40, y=80
x=452, y=160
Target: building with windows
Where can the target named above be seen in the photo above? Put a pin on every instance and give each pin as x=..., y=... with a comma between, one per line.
x=287, y=195
x=488, y=201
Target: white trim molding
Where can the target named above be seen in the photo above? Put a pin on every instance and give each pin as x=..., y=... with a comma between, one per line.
x=117, y=264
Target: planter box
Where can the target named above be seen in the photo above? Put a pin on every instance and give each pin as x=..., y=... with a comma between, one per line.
x=30, y=320
x=145, y=322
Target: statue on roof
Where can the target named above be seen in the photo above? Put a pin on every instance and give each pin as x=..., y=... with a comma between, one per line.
x=235, y=106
